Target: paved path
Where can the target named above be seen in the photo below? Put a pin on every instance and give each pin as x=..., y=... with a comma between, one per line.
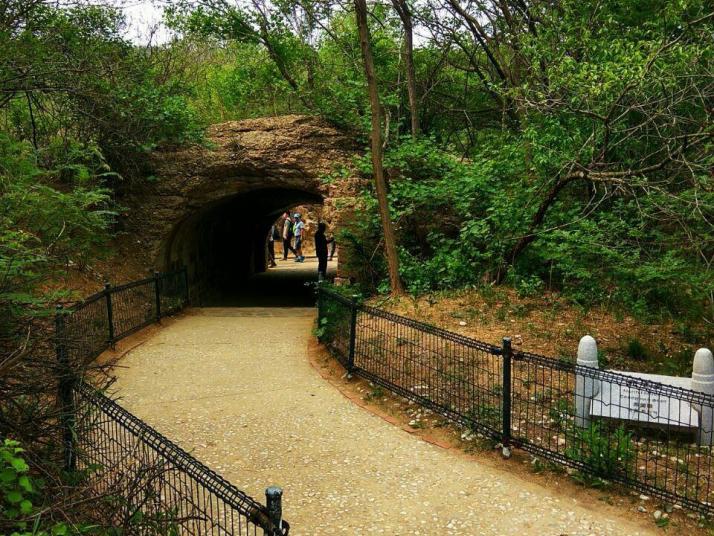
x=234, y=386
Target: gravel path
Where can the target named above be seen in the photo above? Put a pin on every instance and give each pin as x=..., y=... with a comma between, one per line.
x=235, y=387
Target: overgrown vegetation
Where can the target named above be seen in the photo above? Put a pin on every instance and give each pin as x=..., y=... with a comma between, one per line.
x=80, y=107
x=563, y=145
x=552, y=146
x=604, y=454
x=20, y=512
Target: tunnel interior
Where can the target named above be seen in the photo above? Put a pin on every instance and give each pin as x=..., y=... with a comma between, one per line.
x=223, y=246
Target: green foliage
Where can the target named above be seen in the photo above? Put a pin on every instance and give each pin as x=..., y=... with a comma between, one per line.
x=321, y=328
x=15, y=485
x=51, y=218
x=606, y=89
x=636, y=350
x=569, y=150
x=333, y=325
x=456, y=219
x=19, y=493
x=72, y=78
x=375, y=394
x=606, y=453
x=48, y=219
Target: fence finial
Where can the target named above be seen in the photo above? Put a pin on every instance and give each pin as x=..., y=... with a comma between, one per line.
x=585, y=385
x=703, y=381
x=274, y=505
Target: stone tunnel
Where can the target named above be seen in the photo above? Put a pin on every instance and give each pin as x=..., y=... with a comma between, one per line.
x=210, y=206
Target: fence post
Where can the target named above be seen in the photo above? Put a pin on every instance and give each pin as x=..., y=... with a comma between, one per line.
x=65, y=392
x=586, y=385
x=507, y=355
x=274, y=505
x=703, y=381
x=319, y=304
x=157, y=292
x=110, y=312
x=353, y=336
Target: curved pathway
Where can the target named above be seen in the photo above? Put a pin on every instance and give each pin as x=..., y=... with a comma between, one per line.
x=234, y=386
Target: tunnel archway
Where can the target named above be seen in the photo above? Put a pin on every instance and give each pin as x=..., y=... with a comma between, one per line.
x=223, y=244
x=209, y=206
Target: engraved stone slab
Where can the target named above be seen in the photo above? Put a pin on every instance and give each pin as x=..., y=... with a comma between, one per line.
x=617, y=401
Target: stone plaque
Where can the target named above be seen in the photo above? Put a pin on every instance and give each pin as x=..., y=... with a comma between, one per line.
x=615, y=401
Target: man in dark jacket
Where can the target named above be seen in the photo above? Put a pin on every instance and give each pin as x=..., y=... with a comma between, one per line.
x=321, y=242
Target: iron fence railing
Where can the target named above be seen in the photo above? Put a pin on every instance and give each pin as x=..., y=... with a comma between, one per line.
x=154, y=486
x=143, y=483
x=102, y=319
x=534, y=402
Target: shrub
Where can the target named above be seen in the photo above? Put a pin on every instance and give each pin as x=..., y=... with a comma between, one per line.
x=19, y=493
x=605, y=453
x=636, y=350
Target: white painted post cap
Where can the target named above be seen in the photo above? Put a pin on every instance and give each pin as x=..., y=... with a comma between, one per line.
x=703, y=363
x=587, y=352
x=703, y=381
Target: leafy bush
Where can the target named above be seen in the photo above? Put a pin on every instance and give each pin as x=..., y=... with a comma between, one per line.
x=605, y=453
x=636, y=350
x=335, y=317
x=455, y=221
x=44, y=226
x=19, y=492
x=16, y=487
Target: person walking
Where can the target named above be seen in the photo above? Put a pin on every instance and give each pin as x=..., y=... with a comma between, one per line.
x=271, y=245
x=298, y=228
x=287, y=236
x=321, y=242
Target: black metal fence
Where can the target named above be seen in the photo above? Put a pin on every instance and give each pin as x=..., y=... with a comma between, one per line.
x=100, y=320
x=142, y=482
x=610, y=426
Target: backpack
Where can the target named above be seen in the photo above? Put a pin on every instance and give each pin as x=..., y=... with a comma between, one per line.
x=276, y=233
x=290, y=228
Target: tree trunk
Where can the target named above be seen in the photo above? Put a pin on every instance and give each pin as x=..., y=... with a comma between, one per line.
x=510, y=257
x=402, y=9
x=390, y=245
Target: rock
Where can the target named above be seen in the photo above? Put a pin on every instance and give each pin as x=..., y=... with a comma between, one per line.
x=657, y=515
x=641, y=508
x=462, y=323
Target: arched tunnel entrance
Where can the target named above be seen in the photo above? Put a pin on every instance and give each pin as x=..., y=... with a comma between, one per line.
x=223, y=246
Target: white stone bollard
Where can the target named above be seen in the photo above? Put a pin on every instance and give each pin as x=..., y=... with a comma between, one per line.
x=703, y=381
x=585, y=386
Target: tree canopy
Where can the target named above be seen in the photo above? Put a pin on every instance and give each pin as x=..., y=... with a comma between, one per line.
x=562, y=144
x=566, y=143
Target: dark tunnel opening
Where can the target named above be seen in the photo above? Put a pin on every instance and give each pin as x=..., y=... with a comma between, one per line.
x=223, y=246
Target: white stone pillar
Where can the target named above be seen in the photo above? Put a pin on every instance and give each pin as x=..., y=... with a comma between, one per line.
x=703, y=381
x=585, y=386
